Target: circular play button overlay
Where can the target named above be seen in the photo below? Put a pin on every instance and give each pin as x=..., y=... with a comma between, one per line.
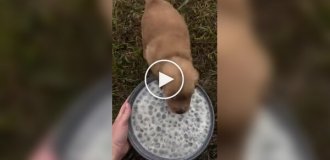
x=164, y=79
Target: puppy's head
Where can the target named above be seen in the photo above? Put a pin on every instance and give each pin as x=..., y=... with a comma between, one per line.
x=181, y=102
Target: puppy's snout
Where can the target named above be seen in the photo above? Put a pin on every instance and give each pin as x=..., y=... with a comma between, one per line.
x=180, y=111
x=178, y=106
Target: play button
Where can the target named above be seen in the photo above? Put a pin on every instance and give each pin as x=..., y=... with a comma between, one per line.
x=163, y=79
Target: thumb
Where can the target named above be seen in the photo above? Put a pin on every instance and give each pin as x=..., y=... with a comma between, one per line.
x=126, y=114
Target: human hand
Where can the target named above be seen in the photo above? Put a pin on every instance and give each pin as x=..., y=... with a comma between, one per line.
x=44, y=151
x=120, y=145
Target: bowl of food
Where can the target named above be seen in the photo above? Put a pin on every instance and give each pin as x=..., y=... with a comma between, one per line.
x=156, y=133
x=84, y=131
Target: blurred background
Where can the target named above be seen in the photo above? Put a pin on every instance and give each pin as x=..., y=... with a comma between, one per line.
x=296, y=36
x=297, y=33
x=50, y=51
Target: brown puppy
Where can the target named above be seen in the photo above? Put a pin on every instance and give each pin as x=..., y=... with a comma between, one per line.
x=165, y=35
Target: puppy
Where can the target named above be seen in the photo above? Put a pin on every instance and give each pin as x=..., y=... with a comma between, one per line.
x=165, y=35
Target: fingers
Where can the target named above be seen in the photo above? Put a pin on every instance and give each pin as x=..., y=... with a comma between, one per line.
x=124, y=113
x=120, y=144
x=127, y=112
x=122, y=110
x=44, y=152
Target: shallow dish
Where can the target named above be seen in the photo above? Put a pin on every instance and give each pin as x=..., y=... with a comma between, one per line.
x=84, y=131
x=158, y=134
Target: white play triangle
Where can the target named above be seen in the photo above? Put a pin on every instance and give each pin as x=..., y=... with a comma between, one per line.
x=163, y=79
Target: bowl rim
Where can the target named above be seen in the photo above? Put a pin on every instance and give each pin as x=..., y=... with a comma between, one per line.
x=78, y=111
x=146, y=154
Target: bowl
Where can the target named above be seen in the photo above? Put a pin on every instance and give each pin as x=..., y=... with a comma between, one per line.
x=84, y=131
x=156, y=133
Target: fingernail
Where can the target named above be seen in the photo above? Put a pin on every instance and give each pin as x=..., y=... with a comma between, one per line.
x=124, y=107
x=127, y=105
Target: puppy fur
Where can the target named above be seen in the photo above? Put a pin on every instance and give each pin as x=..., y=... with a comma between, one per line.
x=165, y=35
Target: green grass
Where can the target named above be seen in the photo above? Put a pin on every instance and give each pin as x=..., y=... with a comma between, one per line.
x=128, y=63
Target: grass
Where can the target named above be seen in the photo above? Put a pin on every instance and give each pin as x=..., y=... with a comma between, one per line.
x=128, y=63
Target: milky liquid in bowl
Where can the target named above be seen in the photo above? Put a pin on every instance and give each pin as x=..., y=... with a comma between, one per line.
x=168, y=135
